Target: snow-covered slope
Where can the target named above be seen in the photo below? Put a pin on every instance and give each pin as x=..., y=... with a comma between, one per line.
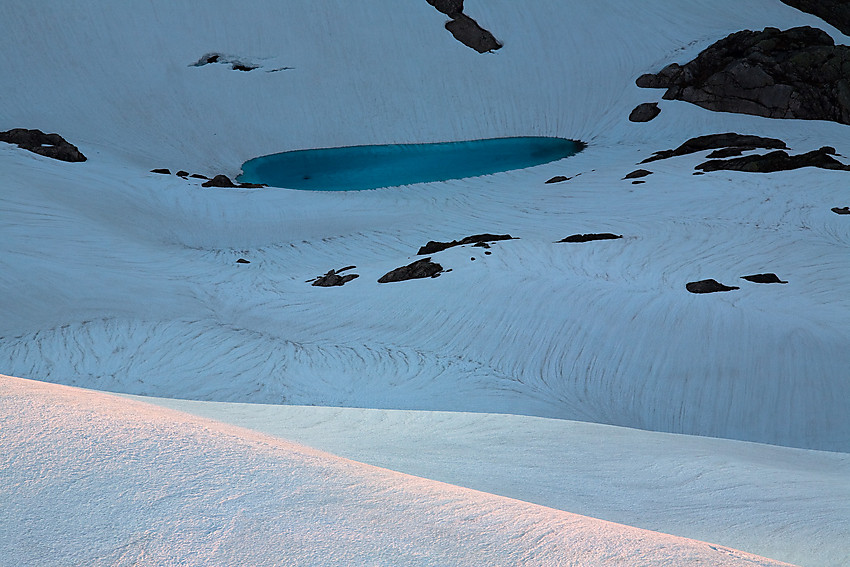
x=118, y=279
x=91, y=479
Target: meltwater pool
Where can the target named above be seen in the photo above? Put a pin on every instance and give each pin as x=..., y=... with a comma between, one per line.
x=354, y=168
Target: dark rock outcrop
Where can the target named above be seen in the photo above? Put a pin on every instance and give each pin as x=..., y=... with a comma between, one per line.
x=776, y=161
x=432, y=247
x=591, y=237
x=638, y=173
x=423, y=268
x=47, y=145
x=242, y=261
x=182, y=173
x=235, y=63
x=726, y=153
x=841, y=210
x=224, y=181
x=558, y=179
x=198, y=176
x=796, y=73
x=834, y=12
x=719, y=141
x=465, y=29
x=645, y=112
x=708, y=286
x=763, y=278
x=335, y=278
x=161, y=171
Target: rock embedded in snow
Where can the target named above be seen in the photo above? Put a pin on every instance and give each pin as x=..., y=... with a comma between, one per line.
x=708, y=286
x=718, y=141
x=591, y=237
x=727, y=153
x=558, y=179
x=432, y=247
x=841, y=210
x=47, y=145
x=638, y=173
x=242, y=261
x=795, y=73
x=465, y=29
x=644, y=112
x=776, y=161
x=225, y=182
x=161, y=171
x=334, y=278
x=764, y=278
x=423, y=268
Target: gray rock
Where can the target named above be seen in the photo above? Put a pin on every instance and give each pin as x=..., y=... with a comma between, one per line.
x=334, y=278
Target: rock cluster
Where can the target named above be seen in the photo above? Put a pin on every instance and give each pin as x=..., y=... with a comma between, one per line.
x=432, y=247
x=465, y=29
x=795, y=73
x=224, y=181
x=776, y=161
x=335, y=278
x=47, y=145
x=729, y=141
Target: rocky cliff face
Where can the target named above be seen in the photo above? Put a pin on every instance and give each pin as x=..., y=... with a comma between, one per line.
x=796, y=73
x=835, y=12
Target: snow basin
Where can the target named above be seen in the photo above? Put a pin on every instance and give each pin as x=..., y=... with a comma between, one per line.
x=353, y=168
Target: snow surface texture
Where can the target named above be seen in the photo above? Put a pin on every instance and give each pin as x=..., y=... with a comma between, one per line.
x=156, y=487
x=118, y=279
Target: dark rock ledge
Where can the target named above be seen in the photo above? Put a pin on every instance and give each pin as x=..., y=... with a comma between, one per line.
x=835, y=12
x=47, y=145
x=764, y=278
x=796, y=73
x=423, y=268
x=432, y=247
x=841, y=210
x=776, y=161
x=465, y=29
x=708, y=286
x=591, y=237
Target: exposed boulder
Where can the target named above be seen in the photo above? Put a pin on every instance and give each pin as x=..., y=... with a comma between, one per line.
x=465, y=29
x=776, y=161
x=590, y=237
x=242, y=261
x=182, y=173
x=719, y=141
x=558, y=179
x=161, y=171
x=727, y=153
x=423, y=268
x=645, y=112
x=834, y=12
x=432, y=247
x=224, y=181
x=638, y=173
x=763, y=278
x=841, y=210
x=796, y=73
x=335, y=278
x=708, y=286
x=48, y=145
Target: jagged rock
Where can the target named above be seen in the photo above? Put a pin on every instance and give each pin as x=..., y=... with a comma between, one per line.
x=763, y=278
x=423, y=268
x=708, y=286
x=638, y=173
x=162, y=171
x=219, y=181
x=718, y=141
x=335, y=278
x=591, y=237
x=182, y=173
x=796, y=73
x=433, y=247
x=645, y=112
x=558, y=179
x=776, y=161
x=242, y=261
x=48, y=145
x=841, y=210
x=835, y=12
x=243, y=67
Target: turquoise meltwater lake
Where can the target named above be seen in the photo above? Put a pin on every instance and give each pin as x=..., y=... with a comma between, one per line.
x=354, y=168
